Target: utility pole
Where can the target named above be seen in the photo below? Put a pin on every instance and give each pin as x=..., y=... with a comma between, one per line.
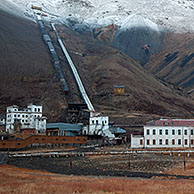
x=129, y=162
x=184, y=163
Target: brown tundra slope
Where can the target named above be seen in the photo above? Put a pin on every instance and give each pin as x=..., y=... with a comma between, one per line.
x=175, y=63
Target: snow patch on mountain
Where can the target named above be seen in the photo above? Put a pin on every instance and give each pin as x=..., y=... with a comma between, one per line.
x=172, y=14
x=138, y=21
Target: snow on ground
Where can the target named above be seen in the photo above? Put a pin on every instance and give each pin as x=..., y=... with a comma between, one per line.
x=173, y=14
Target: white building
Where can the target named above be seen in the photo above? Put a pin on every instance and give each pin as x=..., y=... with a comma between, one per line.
x=98, y=125
x=28, y=118
x=165, y=133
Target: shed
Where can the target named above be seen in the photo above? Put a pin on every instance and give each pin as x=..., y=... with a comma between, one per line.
x=63, y=129
x=119, y=89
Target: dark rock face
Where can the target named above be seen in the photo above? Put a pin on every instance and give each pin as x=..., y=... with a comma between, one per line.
x=139, y=43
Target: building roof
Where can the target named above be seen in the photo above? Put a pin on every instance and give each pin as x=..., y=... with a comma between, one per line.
x=172, y=122
x=65, y=126
x=118, y=130
x=118, y=86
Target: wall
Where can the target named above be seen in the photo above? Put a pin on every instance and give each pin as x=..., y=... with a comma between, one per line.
x=135, y=141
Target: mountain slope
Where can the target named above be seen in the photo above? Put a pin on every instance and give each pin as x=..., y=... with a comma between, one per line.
x=102, y=66
x=174, y=64
x=26, y=73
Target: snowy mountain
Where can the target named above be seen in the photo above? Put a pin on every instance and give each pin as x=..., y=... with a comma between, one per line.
x=173, y=14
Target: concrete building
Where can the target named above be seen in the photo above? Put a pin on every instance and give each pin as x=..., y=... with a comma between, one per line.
x=26, y=118
x=166, y=133
x=98, y=125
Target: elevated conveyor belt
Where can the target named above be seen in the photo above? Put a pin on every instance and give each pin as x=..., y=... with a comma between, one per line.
x=75, y=73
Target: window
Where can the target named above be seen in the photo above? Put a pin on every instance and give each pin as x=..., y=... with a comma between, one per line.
x=192, y=132
x=154, y=142
x=185, y=141
x=141, y=141
x=35, y=109
x=185, y=132
x=148, y=142
x=154, y=132
x=166, y=141
x=97, y=122
x=15, y=115
x=38, y=109
x=92, y=121
x=166, y=131
x=179, y=141
x=148, y=131
x=18, y=115
x=160, y=141
x=23, y=116
x=179, y=132
x=160, y=131
x=173, y=132
x=173, y=141
x=191, y=141
x=23, y=121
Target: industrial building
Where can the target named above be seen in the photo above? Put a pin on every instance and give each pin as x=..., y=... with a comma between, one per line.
x=63, y=129
x=25, y=118
x=120, y=90
x=98, y=125
x=166, y=133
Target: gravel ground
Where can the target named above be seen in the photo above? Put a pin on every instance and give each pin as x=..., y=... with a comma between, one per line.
x=141, y=165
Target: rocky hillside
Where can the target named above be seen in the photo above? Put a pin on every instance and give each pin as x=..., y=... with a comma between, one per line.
x=175, y=63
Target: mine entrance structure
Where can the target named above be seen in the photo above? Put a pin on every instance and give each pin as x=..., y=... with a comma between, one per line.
x=53, y=54
x=77, y=113
x=75, y=73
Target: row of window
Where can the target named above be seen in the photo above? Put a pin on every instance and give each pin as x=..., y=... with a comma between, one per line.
x=37, y=109
x=166, y=142
x=167, y=132
x=93, y=122
x=23, y=116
